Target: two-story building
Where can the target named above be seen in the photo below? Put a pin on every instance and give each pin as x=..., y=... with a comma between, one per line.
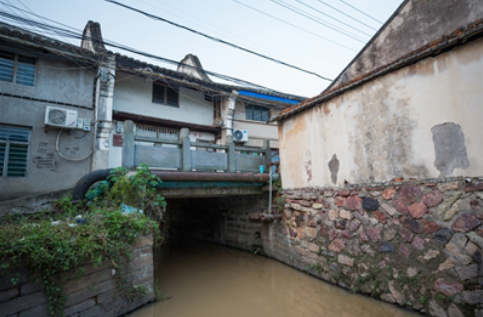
x=44, y=84
x=90, y=91
x=162, y=101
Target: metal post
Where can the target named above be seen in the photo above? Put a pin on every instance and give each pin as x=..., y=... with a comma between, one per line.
x=128, y=147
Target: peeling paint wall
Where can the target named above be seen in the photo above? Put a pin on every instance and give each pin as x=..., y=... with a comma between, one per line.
x=388, y=128
x=417, y=23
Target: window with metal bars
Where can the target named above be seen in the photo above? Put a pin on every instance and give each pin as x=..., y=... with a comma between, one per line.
x=165, y=95
x=17, y=69
x=14, y=151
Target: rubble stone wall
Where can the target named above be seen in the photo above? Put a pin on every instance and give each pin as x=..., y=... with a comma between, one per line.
x=417, y=244
x=95, y=293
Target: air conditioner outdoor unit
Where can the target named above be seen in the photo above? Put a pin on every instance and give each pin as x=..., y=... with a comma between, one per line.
x=60, y=117
x=240, y=136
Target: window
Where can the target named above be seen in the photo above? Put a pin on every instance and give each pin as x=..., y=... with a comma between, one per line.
x=257, y=113
x=14, y=149
x=16, y=68
x=164, y=95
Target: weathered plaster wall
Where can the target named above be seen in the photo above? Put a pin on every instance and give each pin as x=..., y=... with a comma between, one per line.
x=257, y=130
x=419, y=22
x=133, y=94
x=68, y=85
x=398, y=125
x=59, y=81
x=95, y=293
x=417, y=244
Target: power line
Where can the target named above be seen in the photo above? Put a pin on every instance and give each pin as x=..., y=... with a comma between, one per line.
x=293, y=25
x=329, y=16
x=347, y=15
x=315, y=19
x=28, y=9
x=218, y=40
x=72, y=34
x=360, y=11
x=215, y=28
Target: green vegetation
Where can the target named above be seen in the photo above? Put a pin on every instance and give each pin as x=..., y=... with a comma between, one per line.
x=96, y=231
x=318, y=268
x=411, y=281
x=423, y=299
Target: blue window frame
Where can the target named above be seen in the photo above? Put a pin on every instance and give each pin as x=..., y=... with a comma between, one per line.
x=17, y=69
x=14, y=151
x=256, y=113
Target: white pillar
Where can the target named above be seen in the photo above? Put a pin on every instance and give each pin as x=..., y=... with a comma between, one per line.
x=104, y=102
x=227, y=113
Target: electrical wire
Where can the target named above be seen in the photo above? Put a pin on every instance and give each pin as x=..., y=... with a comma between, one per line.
x=360, y=11
x=159, y=76
x=293, y=25
x=58, y=31
x=131, y=50
x=213, y=27
x=57, y=148
x=343, y=13
x=31, y=12
x=347, y=15
x=218, y=40
x=331, y=17
x=75, y=35
x=315, y=19
x=57, y=144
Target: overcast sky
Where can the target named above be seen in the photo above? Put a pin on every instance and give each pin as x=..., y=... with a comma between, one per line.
x=313, y=49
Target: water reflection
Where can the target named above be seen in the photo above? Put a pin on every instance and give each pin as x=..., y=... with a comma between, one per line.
x=209, y=280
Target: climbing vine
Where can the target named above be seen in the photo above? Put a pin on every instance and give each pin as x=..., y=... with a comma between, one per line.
x=101, y=229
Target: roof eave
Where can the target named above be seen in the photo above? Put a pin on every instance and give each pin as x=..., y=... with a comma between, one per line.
x=456, y=38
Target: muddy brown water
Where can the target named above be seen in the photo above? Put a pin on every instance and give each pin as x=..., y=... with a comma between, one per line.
x=208, y=280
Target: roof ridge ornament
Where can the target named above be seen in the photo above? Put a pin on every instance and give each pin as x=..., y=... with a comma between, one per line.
x=92, y=38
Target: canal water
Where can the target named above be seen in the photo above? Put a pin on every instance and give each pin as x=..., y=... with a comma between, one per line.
x=201, y=279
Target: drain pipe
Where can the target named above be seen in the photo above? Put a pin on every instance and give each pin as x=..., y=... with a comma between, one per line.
x=211, y=177
x=86, y=181
x=89, y=179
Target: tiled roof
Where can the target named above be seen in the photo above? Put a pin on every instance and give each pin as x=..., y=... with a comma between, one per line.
x=458, y=37
x=21, y=36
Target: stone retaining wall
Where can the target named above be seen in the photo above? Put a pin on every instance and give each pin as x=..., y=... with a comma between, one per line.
x=417, y=244
x=95, y=293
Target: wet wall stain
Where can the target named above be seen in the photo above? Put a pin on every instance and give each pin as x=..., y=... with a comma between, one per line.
x=308, y=165
x=334, y=168
x=379, y=139
x=449, y=148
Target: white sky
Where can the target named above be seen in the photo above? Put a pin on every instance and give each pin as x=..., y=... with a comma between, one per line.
x=235, y=23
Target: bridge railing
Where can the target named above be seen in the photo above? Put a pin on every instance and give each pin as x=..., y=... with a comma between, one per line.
x=184, y=155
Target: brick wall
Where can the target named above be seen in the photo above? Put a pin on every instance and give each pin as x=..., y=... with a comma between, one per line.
x=95, y=293
x=417, y=244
